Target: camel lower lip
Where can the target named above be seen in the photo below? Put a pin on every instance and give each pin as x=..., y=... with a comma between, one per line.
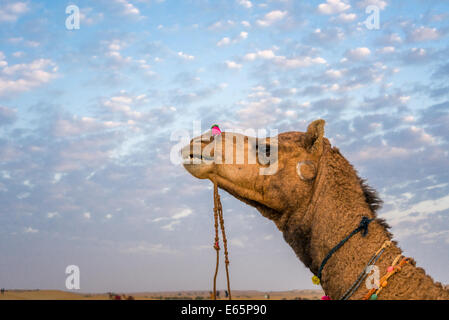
x=197, y=156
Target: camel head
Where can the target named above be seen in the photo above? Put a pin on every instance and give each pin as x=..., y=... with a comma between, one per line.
x=264, y=173
x=314, y=196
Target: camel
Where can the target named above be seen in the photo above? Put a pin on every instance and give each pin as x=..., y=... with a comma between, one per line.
x=315, y=198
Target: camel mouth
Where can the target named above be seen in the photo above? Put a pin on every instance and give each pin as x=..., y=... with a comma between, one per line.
x=196, y=163
x=190, y=159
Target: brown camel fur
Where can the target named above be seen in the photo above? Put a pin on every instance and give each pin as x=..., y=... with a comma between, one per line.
x=315, y=207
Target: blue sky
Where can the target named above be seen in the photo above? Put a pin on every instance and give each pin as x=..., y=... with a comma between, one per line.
x=86, y=117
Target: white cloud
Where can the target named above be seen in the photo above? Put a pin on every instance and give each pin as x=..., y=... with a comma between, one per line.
x=23, y=195
x=420, y=133
x=127, y=8
x=31, y=230
x=416, y=54
x=18, y=54
x=159, y=219
x=387, y=50
x=227, y=41
x=393, y=38
x=381, y=4
x=432, y=237
x=88, y=17
x=333, y=7
x=174, y=219
x=81, y=125
x=28, y=184
x=15, y=40
x=332, y=73
x=7, y=115
x=264, y=54
x=148, y=248
x=283, y=61
x=298, y=62
x=346, y=17
x=219, y=25
x=123, y=104
x=21, y=40
x=243, y=35
x=224, y=42
x=5, y=174
x=182, y=214
x=24, y=77
x=3, y=62
x=170, y=226
x=52, y=215
x=423, y=34
x=382, y=153
x=245, y=3
x=271, y=18
x=290, y=113
x=10, y=12
x=409, y=119
x=233, y=65
x=185, y=56
x=327, y=35
x=32, y=44
x=259, y=111
x=416, y=212
x=358, y=53
x=258, y=88
x=237, y=242
x=113, y=48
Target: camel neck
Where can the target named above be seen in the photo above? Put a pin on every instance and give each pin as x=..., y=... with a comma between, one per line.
x=335, y=210
x=330, y=226
x=345, y=265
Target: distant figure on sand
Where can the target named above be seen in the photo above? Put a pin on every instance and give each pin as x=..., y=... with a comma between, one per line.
x=226, y=293
x=3, y=290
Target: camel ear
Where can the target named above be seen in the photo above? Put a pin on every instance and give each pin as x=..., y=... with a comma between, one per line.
x=315, y=135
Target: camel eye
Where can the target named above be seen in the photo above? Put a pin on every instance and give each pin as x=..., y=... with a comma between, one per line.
x=266, y=149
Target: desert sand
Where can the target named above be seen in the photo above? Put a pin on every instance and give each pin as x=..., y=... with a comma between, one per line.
x=173, y=295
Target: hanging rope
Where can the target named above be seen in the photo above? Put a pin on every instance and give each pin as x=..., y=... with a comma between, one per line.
x=216, y=243
x=218, y=217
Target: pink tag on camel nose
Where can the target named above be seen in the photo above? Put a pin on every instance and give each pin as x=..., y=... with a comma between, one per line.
x=215, y=130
